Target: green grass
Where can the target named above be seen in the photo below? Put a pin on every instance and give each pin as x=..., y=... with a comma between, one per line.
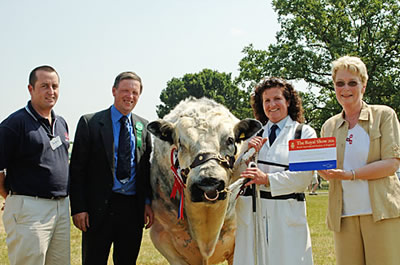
x=322, y=239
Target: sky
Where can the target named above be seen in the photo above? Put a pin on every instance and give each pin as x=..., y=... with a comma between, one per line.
x=90, y=42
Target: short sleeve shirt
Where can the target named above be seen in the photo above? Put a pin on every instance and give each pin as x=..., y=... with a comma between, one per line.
x=34, y=167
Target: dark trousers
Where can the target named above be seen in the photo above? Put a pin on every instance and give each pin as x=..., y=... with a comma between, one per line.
x=122, y=226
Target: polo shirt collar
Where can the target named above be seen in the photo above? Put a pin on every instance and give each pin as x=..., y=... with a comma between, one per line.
x=36, y=116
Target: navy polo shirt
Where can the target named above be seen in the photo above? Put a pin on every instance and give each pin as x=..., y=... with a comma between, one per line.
x=33, y=166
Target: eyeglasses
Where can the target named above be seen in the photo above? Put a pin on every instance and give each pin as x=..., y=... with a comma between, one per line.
x=350, y=84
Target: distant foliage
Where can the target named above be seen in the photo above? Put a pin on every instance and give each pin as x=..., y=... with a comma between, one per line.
x=207, y=83
x=316, y=32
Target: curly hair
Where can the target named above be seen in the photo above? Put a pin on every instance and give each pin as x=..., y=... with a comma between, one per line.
x=295, y=109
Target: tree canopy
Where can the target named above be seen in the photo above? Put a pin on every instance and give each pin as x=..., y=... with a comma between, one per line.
x=316, y=32
x=207, y=83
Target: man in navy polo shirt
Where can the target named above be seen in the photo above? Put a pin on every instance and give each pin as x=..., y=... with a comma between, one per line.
x=34, y=176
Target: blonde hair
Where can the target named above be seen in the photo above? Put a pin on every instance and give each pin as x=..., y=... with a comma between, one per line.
x=352, y=64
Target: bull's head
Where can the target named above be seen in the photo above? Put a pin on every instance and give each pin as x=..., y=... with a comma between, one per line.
x=206, y=154
x=206, y=150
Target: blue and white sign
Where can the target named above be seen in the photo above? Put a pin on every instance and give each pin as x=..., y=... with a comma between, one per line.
x=312, y=154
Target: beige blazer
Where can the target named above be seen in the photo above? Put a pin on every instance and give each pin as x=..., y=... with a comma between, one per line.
x=382, y=126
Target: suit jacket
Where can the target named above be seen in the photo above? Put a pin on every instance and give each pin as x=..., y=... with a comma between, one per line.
x=92, y=166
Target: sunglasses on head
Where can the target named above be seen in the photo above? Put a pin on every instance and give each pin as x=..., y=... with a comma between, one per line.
x=350, y=84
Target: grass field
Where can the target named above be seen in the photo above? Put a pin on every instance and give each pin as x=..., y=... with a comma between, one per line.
x=322, y=239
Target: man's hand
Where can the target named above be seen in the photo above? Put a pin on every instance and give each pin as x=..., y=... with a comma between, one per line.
x=3, y=190
x=148, y=216
x=81, y=221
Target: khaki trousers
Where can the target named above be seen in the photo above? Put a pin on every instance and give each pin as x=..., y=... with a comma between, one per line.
x=38, y=230
x=361, y=241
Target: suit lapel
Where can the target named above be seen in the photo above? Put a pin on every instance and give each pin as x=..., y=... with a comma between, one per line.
x=285, y=130
x=288, y=126
x=106, y=131
x=134, y=120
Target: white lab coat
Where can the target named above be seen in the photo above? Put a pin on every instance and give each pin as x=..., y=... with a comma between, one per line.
x=287, y=237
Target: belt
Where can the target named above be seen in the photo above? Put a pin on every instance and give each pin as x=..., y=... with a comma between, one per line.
x=268, y=195
x=50, y=197
x=120, y=196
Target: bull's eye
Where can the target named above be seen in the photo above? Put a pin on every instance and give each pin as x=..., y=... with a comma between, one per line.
x=179, y=145
x=230, y=141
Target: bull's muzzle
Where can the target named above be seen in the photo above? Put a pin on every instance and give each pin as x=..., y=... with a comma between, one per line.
x=208, y=190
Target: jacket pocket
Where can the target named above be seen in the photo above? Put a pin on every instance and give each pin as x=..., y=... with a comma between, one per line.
x=374, y=145
x=296, y=213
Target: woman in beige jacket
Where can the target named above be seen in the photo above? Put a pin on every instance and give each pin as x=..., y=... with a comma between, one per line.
x=364, y=191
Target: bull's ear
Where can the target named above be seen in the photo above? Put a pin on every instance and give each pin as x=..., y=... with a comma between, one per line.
x=246, y=128
x=162, y=129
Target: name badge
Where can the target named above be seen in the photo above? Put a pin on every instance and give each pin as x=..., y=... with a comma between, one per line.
x=312, y=154
x=55, y=142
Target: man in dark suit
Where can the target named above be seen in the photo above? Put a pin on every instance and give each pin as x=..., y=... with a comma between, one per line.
x=110, y=189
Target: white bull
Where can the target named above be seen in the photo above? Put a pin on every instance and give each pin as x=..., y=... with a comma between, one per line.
x=198, y=139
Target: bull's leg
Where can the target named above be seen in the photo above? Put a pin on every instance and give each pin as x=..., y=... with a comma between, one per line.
x=205, y=261
x=230, y=260
x=162, y=241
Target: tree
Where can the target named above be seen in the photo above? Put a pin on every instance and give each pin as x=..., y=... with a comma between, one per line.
x=316, y=32
x=207, y=83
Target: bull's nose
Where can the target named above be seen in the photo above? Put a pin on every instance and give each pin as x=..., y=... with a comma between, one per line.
x=208, y=190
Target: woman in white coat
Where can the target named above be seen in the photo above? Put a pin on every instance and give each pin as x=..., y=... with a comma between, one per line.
x=286, y=236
